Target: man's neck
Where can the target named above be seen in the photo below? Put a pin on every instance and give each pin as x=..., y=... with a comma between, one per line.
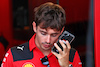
x=45, y=52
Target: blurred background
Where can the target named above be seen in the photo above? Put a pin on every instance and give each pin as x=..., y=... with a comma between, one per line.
x=16, y=17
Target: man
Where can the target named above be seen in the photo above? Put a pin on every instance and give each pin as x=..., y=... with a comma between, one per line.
x=48, y=26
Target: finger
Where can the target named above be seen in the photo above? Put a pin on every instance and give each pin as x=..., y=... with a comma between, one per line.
x=63, y=45
x=56, y=54
x=58, y=48
x=68, y=45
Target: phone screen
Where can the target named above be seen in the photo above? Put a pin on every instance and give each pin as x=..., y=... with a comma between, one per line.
x=64, y=36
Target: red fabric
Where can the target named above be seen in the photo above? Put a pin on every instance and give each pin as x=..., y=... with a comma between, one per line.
x=97, y=32
x=35, y=61
x=76, y=61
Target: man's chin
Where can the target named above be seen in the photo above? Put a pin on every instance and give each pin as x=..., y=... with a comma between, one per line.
x=47, y=49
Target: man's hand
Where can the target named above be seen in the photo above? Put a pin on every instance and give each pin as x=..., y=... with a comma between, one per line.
x=63, y=56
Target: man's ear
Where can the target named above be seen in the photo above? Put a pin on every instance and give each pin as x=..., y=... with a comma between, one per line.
x=34, y=26
x=62, y=30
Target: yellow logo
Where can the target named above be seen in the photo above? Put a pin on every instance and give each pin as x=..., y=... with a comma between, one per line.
x=28, y=64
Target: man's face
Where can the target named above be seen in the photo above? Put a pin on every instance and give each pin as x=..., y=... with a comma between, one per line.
x=45, y=38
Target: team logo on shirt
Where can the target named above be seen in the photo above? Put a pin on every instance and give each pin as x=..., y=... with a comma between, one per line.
x=28, y=64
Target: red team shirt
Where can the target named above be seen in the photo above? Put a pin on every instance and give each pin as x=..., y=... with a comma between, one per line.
x=28, y=55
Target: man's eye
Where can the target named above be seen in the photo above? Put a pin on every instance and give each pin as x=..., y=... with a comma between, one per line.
x=54, y=35
x=43, y=33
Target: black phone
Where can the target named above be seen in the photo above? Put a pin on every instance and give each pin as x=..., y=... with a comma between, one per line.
x=64, y=36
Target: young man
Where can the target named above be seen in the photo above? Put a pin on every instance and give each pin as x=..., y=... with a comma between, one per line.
x=48, y=26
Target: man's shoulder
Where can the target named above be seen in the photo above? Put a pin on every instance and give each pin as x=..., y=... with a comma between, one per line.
x=72, y=54
x=21, y=52
x=21, y=47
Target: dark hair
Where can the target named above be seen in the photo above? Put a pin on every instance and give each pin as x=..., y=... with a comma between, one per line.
x=50, y=15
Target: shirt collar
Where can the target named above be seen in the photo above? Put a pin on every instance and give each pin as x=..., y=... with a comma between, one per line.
x=32, y=44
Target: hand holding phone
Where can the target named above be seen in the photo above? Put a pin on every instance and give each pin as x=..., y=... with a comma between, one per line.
x=65, y=36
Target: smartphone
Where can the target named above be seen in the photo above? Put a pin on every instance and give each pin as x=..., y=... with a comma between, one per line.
x=64, y=36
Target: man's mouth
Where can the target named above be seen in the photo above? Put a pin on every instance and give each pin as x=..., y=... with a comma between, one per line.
x=46, y=45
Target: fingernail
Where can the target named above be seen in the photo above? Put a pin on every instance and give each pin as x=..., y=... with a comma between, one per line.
x=54, y=43
x=59, y=40
x=66, y=41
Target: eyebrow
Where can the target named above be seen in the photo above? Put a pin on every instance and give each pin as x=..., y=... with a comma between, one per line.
x=42, y=31
x=55, y=33
x=46, y=32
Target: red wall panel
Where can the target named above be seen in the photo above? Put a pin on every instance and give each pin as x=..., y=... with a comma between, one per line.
x=76, y=10
x=6, y=19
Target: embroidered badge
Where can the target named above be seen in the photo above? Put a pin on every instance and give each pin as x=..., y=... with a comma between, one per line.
x=28, y=64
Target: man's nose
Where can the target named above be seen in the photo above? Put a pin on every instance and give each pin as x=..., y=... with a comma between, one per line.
x=48, y=39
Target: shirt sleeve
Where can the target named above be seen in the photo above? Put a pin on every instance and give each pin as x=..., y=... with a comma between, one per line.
x=7, y=60
x=76, y=61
